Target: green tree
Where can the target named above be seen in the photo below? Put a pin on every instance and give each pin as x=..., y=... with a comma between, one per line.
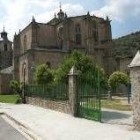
x=85, y=66
x=43, y=74
x=117, y=78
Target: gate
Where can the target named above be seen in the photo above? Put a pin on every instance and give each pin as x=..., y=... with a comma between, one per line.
x=89, y=97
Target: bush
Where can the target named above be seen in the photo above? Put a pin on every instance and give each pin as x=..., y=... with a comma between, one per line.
x=85, y=66
x=43, y=74
x=117, y=78
x=15, y=86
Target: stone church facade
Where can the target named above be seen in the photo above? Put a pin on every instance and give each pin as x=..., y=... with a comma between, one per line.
x=50, y=42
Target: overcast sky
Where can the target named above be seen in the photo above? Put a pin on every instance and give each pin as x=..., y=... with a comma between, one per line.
x=16, y=14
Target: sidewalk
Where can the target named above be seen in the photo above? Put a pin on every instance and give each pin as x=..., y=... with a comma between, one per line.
x=117, y=117
x=52, y=125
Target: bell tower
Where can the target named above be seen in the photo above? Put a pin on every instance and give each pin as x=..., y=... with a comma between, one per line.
x=5, y=51
x=4, y=34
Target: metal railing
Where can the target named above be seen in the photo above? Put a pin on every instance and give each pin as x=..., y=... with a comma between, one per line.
x=57, y=92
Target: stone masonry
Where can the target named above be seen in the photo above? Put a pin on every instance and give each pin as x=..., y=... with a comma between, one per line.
x=135, y=89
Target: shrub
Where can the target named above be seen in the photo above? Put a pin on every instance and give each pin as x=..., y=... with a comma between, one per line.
x=117, y=78
x=43, y=74
x=86, y=67
x=15, y=86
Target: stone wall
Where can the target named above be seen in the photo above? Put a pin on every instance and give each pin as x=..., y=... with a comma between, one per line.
x=26, y=44
x=135, y=87
x=4, y=83
x=70, y=106
x=58, y=106
x=34, y=58
x=46, y=36
x=24, y=60
x=53, y=57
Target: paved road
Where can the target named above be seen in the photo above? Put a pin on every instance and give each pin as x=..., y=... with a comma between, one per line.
x=46, y=126
x=7, y=132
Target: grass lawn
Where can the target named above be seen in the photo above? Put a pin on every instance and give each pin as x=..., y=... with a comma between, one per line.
x=115, y=104
x=9, y=98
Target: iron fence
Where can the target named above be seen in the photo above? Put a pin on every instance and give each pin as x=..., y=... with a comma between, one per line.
x=52, y=92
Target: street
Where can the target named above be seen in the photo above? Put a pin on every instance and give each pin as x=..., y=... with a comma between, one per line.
x=7, y=132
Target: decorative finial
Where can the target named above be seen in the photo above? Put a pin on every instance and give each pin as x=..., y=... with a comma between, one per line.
x=19, y=31
x=15, y=33
x=66, y=15
x=73, y=71
x=33, y=19
x=3, y=28
x=60, y=5
x=54, y=15
x=107, y=18
x=88, y=13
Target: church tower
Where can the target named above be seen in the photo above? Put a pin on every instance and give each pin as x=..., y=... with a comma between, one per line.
x=5, y=51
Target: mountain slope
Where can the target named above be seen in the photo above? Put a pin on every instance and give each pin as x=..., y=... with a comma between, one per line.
x=127, y=46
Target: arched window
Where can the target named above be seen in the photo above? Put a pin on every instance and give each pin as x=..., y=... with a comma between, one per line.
x=78, y=34
x=60, y=37
x=25, y=43
x=5, y=47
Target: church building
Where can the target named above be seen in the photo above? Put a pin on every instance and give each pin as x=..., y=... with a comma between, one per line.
x=6, y=57
x=50, y=42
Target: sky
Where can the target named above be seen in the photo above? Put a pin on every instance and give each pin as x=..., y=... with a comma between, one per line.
x=17, y=14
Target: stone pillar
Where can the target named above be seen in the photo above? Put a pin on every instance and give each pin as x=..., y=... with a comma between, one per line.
x=135, y=89
x=72, y=91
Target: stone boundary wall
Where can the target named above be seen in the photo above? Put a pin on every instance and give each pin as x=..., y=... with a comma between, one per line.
x=135, y=89
x=135, y=84
x=54, y=105
x=70, y=106
x=4, y=83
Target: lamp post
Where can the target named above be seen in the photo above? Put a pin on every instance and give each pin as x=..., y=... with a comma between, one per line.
x=23, y=93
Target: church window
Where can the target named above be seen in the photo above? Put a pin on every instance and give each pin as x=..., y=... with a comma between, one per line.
x=60, y=37
x=78, y=34
x=5, y=47
x=25, y=43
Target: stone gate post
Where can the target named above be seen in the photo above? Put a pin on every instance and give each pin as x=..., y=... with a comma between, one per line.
x=72, y=90
x=135, y=89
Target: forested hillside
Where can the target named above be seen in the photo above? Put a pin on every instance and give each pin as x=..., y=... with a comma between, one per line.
x=127, y=46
